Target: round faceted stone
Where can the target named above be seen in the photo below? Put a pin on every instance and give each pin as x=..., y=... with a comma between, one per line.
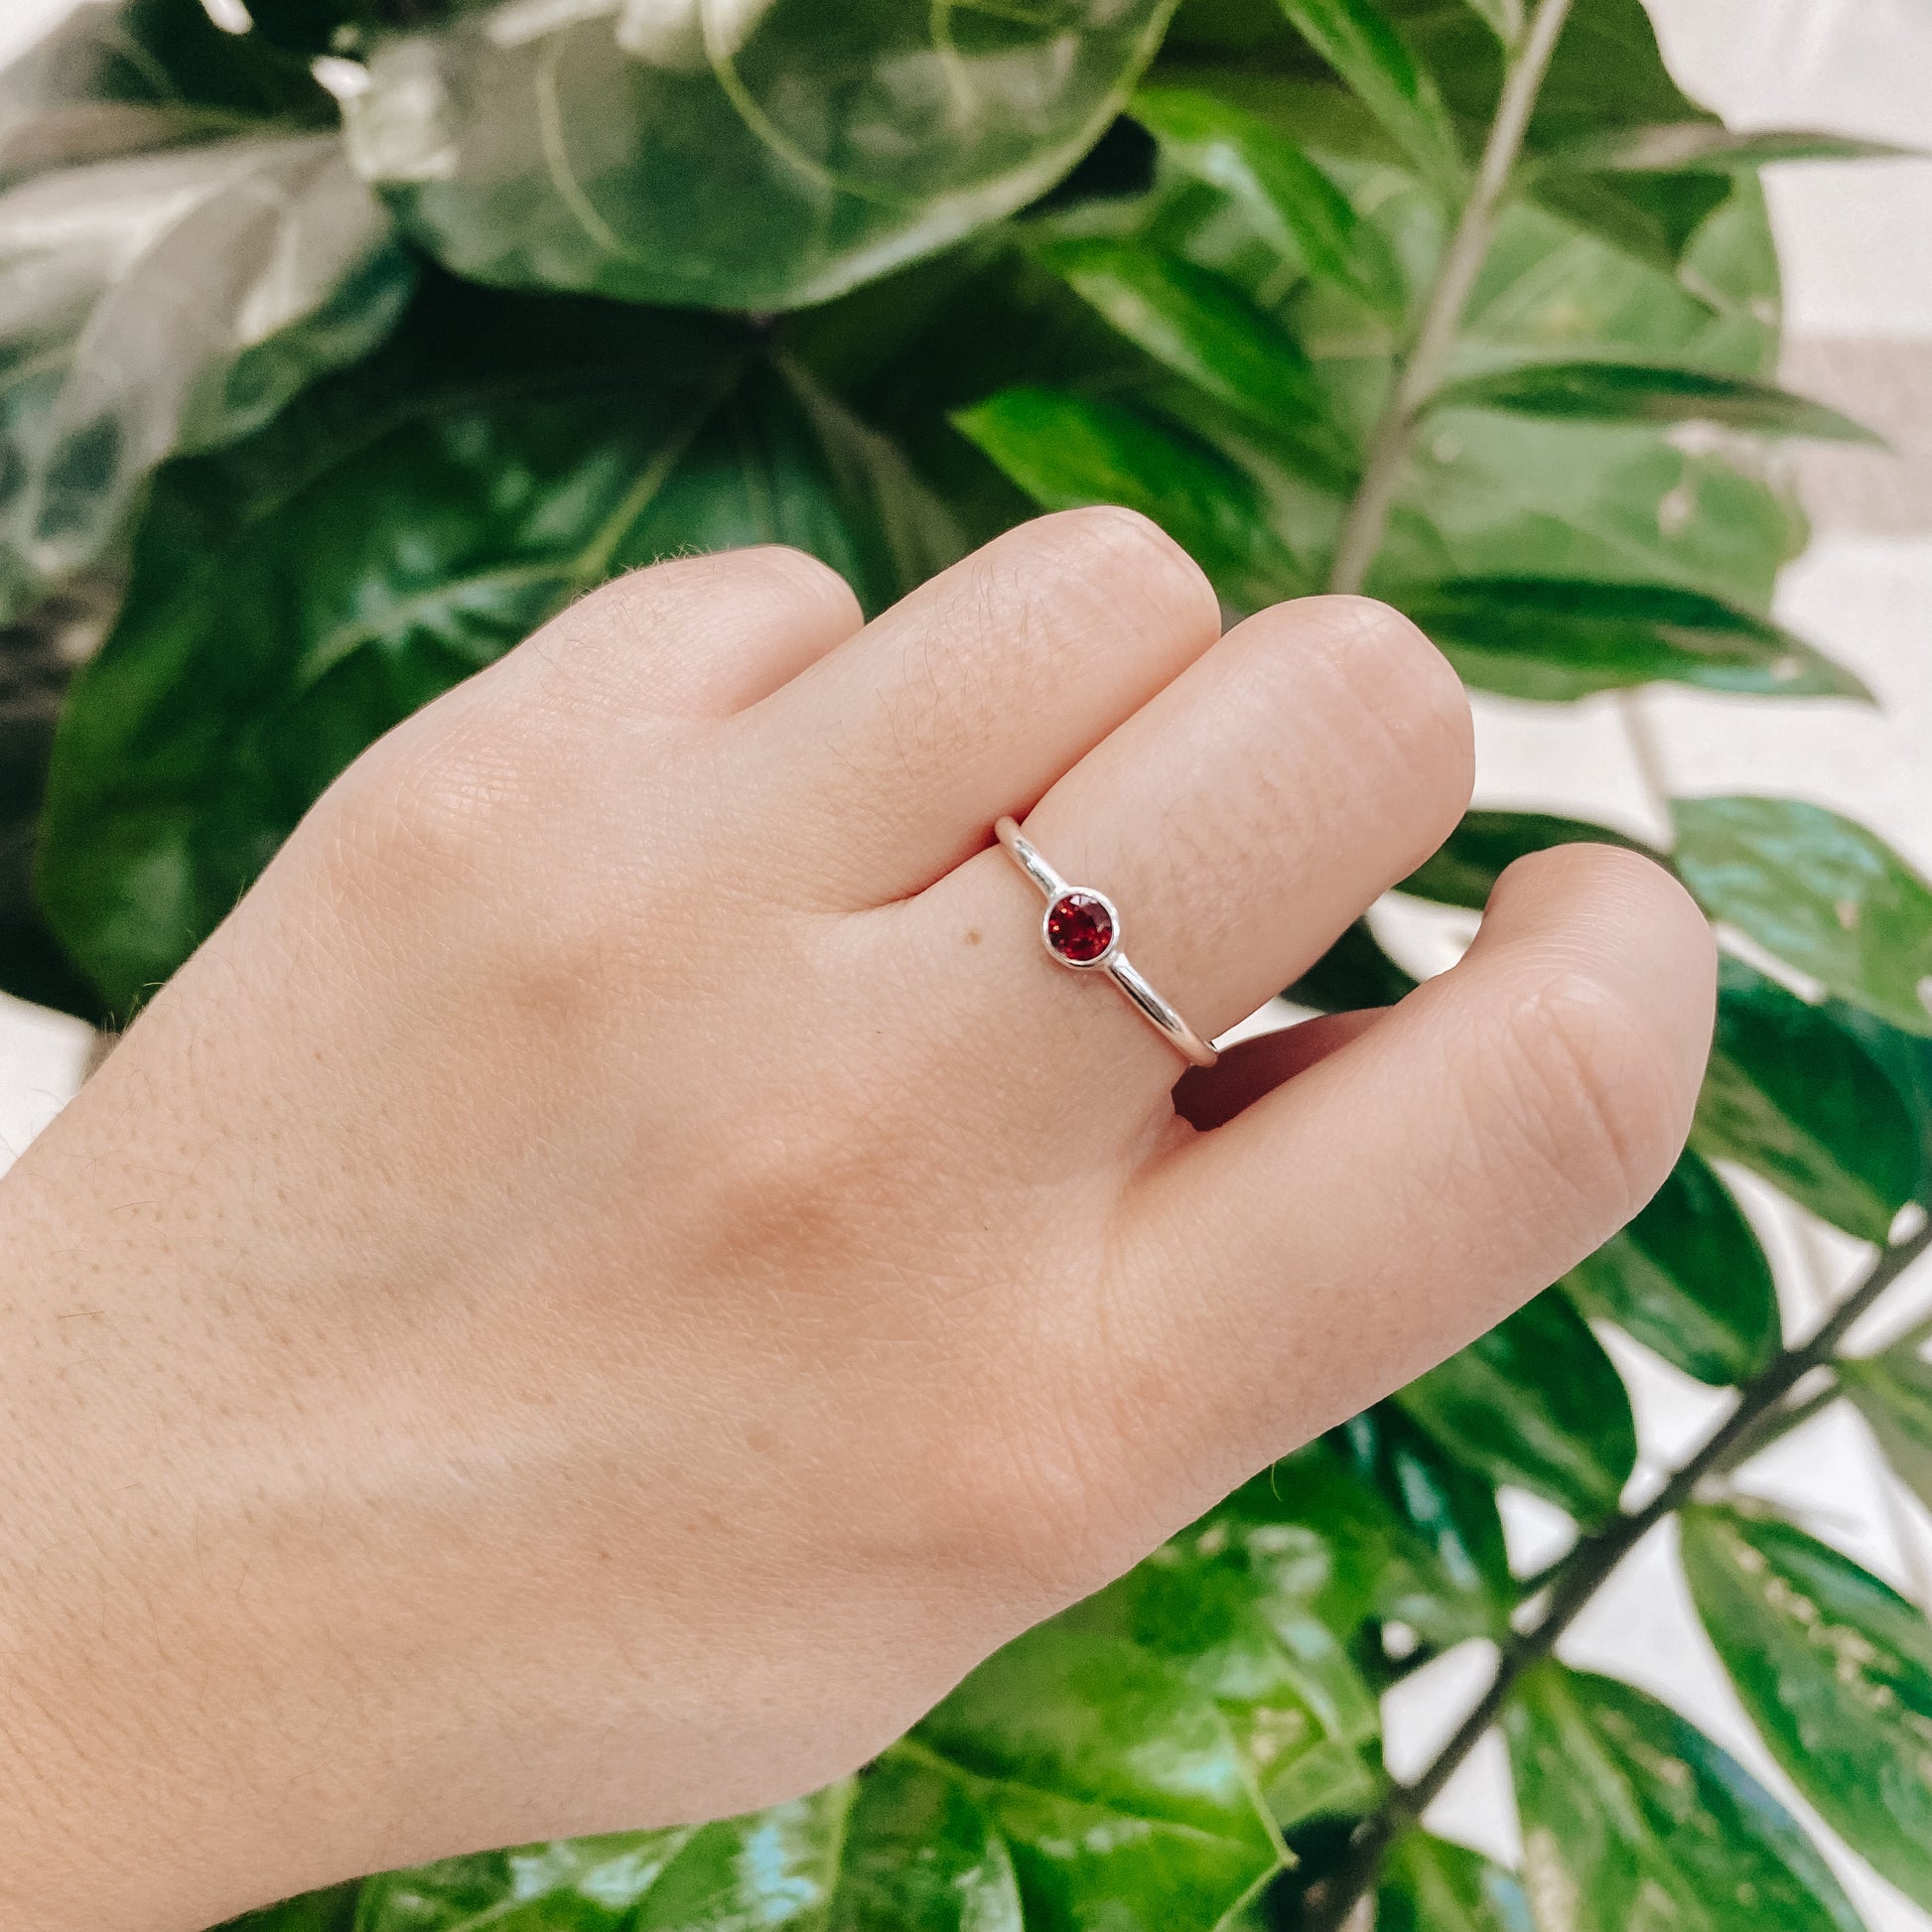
x=1080, y=928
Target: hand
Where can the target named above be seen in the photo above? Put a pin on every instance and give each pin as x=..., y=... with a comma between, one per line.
x=622, y=1271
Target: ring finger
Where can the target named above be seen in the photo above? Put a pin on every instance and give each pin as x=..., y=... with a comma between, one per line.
x=1238, y=821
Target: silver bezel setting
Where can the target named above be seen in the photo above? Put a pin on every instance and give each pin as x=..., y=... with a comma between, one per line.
x=1113, y=964
x=1100, y=961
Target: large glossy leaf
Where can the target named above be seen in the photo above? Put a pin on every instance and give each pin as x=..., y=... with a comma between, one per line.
x=903, y=1845
x=1793, y=1094
x=1893, y=1392
x=1647, y=392
x=1820, y=891
x=1556, y=639
x=1431, y=1886
x=1535, y=1402
x=1906, y=1059
x=1465, y=870
x=1207, y=330
x=1446, y=1503
x=164, y=301
x=401, y=525
x=1066, y=450
x=1305, y=1719
x=1118, y=1787
x=114, y=77
x=1364, y=47
x=1687, y=1278
x=1836, y=1671
x=333, y=1910
x=1634, y=1821
x=759, y=156
x=1322, y=1534
x=1287, y=198
x=1073, y=1782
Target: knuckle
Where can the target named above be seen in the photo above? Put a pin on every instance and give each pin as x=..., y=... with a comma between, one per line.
x=1405, y=688
x=799, y=576
x=1131, y=563
x=628, y=608
x=429, y=808
x=765, y=583
x=1594, y=1105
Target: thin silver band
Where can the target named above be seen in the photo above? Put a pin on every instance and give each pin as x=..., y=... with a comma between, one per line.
x=1113, y=962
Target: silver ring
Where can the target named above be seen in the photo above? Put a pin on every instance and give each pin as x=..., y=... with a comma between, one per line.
x=1082, y=929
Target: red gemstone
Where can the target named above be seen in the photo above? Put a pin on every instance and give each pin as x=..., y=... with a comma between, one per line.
x=1080, y=928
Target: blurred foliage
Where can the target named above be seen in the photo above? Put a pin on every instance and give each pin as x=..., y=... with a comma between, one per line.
x=338, y=354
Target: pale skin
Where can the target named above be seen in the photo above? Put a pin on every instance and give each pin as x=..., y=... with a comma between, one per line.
x=623, y=1270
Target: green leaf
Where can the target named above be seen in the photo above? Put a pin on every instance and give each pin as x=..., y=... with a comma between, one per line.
x=903, y=1845
x=333, y=1910
x=1647, y=392
x=1669, y=146
x=1906, y=1059
x=1074, y=1772
x=115, y=77
x=1652, y=219
x=837, y=139
x=1632, y=1817
x=1352, y=973
x=1291, y=203
x=1893, y=1393
x=1792, y=1095
x=1465, y=868
x=396, y=528
x=1322, y=1535
x=1204, y=328
x=165, y=301
x=37, y=659
x=1440, y=1500
x=1503, y=18
x=1305, y=1719
x=1118, y=1787
x=1364, y=46
x=1606, y=70
x=1555, y=638
x=1687, y=1278
x=1836, y=1671
x=1491, y=495
x=1066, y=450
x=1431, y=1886
x=312, y=26
x=1537, y=1402
x=1821, y=893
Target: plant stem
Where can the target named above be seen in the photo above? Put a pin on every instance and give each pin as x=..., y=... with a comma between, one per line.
x=1776, y=1425
x=1421, y=372
x=1584, y=1571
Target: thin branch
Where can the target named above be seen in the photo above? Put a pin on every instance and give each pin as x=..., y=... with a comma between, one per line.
x=1775, y=1424
x=1422, y=371
x=1586, y=1569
